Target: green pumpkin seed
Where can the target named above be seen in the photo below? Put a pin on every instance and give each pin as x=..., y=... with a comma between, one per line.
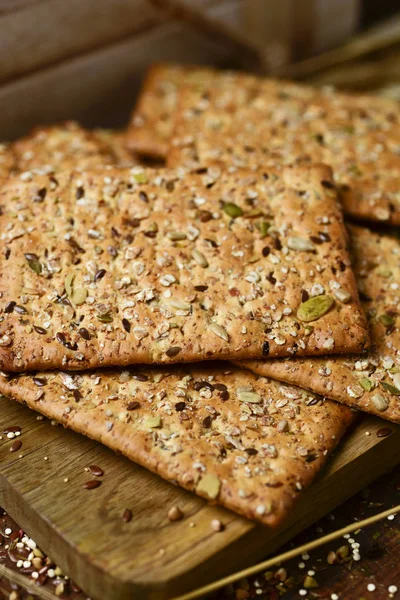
x=35, y=266
x=140, y=177
x=264, y=227
x=386, y=320
x=315, y=308
x=106, y=318
x=390, y=388
x=366, y=384
x=68, y=284
x=209, y=485
x=232, y=210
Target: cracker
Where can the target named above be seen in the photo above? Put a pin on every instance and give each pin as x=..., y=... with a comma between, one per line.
x=232, y=437
x=370, y=382
x=168, y=266
x=64, y=146
x=116, y=142
x=153, y=118
x=244, y=121
x=7, y=161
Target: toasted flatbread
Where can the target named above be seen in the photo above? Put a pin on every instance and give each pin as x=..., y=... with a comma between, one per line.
x=232, y=437
x=243, y=121
x=152, y=121
x=127, y=266
x=370, y=382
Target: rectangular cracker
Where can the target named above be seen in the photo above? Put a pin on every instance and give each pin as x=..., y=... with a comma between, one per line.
x=370, y=382
x=243, y=121
x=66, y=146
x=143, y=266
x=233, y=437
x=7, y=161
x=152, y=121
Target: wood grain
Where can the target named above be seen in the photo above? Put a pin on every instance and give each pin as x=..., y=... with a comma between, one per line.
x=151, y=557
x=99, y=88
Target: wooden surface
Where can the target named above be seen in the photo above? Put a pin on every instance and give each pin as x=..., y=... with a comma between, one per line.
x=150, y=557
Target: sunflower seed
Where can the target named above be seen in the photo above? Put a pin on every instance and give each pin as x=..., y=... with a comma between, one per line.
x=219, y=331
x=300, y=244
x=199, y=258
x=247, y=396
x=379, y=402
x=176, y=235
x=343, y=296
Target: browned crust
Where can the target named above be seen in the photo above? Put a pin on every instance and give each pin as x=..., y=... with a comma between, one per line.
x=190, y=422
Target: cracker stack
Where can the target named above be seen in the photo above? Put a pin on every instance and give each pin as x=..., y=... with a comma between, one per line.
x=237, y=252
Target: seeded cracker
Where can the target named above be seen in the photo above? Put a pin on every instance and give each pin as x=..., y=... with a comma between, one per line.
x=153, y=118
x=244, y=121
x=232, y=437
x=7, y=161
x=66, y=146
x=370, y=382
x=144, y=266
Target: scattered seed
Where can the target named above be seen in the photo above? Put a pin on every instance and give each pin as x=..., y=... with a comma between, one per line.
x=96, y=471
x=173, y=351
x=384, y=432
x=15, y=446
x=92, y=485
x=217, y=525
x=175, y=514
x=127, y=515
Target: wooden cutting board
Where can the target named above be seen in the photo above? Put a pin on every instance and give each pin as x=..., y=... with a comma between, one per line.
x=150, y=557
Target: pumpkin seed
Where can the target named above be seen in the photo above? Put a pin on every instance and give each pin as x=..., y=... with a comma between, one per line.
x=390, y=388
x=79, y=296
x=176, y=235
x=232, y=210
x=140, y=177
x=396, y=380
x=308, y=329
x=180, y=304
x=386, y=320
x=366, y=384
x=68, y=283
x=315, y=308
x=300, y=244
x=251, y=397
x=219, y=331
x=105, y=318
x=379, y=402
x=34, y=265
x=263, y=227
x=209, y=485
x=200, y=258
x=153, y=422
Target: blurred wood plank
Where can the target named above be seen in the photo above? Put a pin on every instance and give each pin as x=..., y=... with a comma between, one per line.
x=99, y=88
x=43, y=32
